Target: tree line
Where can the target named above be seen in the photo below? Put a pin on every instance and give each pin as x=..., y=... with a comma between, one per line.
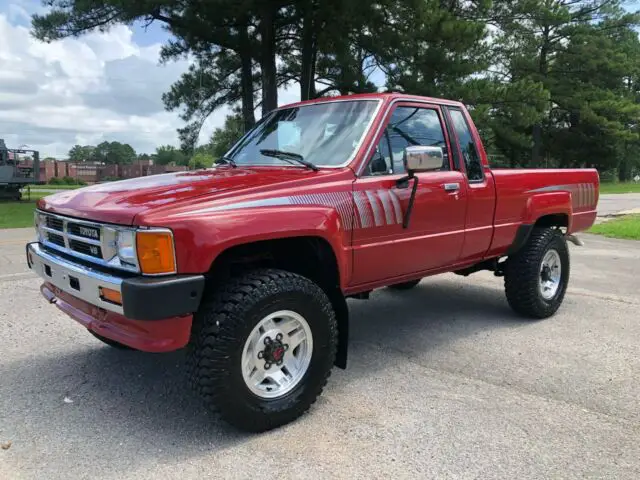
x=548, y=82
x=202, y=156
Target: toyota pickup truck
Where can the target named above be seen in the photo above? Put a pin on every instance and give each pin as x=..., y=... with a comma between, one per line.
x=248, y=264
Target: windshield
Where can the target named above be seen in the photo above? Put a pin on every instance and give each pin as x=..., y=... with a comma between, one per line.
x=324, y=134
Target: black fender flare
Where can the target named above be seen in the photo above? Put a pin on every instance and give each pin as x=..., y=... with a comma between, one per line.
x=341, y=310
x=521, y=238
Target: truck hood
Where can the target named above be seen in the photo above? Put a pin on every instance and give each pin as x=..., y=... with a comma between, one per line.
x=119, y=202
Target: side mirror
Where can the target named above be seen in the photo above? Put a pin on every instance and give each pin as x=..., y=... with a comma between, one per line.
x=419, y=158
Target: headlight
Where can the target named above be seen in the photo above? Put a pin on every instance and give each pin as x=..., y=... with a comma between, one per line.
x=126, y=246
x=149, y=251
x=39, y=221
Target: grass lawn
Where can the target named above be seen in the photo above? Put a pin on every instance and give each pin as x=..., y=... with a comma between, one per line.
x=35, y=188
x=18, y=214
x=623, y=227
x=630, y=187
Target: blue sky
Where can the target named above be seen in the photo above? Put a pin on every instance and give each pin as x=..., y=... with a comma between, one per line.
x=94, y=88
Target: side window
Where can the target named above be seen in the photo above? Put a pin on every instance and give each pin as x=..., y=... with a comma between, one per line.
x=467, y=146
x=381, y=162
x=407, y=126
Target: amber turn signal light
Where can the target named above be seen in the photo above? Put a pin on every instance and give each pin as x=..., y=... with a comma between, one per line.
x=109, y=295
x=155, y=252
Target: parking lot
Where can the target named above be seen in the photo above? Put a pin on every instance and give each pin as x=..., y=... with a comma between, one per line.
x=443, y=381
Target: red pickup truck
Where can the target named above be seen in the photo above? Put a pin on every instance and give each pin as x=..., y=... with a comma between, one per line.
x=249, y=264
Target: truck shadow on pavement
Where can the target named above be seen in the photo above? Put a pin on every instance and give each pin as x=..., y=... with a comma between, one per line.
x=122, y=401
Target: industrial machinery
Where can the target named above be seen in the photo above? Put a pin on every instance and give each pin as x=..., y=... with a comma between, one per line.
x=18, y=168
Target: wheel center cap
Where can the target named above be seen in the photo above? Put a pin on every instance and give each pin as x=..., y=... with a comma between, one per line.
x=278, y=353
x=546, y=273
x=273, y=352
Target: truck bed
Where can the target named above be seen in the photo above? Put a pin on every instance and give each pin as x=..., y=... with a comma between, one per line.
x=523, y=194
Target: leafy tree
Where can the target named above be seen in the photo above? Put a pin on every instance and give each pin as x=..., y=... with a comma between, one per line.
x=201, y=160
x=79, y=153
x=114, y=153
x=532, y=42
x=332, y=43
x=169, y=155
x=223, y=138
x=434, y=47
x=213, y=81
x=592, y=116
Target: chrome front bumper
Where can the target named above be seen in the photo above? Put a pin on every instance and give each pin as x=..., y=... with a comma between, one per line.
x=77, y=280
x=143, y=298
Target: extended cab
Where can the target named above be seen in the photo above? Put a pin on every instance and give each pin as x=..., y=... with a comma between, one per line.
x=248, y=264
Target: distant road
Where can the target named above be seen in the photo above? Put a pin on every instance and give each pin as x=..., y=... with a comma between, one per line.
x=611, y=204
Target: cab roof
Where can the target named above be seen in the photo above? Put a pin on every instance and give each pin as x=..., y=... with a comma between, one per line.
x=385, y=97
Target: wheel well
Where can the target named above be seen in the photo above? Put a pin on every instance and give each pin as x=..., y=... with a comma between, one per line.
x=560, y=220
x=553, y=220
x=311, y=257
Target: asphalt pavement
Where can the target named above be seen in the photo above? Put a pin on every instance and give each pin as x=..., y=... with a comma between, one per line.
x=612, y=204
x=444, y=381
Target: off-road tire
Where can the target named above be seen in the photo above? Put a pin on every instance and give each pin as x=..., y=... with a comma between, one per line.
x=405, y=285
x=221, y=327
x=111, y=343
x=522, y=274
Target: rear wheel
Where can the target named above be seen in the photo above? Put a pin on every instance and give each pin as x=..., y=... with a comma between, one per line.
x=536, y=277
x=262, y=348
x=405, y=285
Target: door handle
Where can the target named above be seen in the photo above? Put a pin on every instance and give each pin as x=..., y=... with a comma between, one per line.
x=451, y=187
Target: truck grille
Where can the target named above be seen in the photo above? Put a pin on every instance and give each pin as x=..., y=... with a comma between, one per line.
x=85, y=249
x=56, y=239
x=55, y=223
x=84, y=231
x=89, y=241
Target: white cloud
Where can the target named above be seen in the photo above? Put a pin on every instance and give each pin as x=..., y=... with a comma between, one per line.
x=102, y=86
x=98, y=87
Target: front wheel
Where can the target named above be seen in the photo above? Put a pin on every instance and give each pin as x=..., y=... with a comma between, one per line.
x=536, y=277
x=262, y=348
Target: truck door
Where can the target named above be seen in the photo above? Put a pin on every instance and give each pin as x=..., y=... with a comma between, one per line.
x=382, y=247
x=481, y=185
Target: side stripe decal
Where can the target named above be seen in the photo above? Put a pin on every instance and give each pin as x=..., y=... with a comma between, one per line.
x=360, y=209
x=389, y=216
x=375, y=208
x=583, y=195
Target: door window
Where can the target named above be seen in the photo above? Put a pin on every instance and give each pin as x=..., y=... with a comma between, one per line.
x=468, y=148
x=407, y=126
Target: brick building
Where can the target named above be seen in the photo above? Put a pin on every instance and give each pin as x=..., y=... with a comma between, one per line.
x=94, y=172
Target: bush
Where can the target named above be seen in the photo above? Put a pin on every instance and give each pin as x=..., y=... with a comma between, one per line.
x=609, y=176
x=66, y=181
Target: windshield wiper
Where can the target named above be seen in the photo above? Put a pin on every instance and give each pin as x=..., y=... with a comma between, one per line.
x=288, y=156
x=227, y=160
